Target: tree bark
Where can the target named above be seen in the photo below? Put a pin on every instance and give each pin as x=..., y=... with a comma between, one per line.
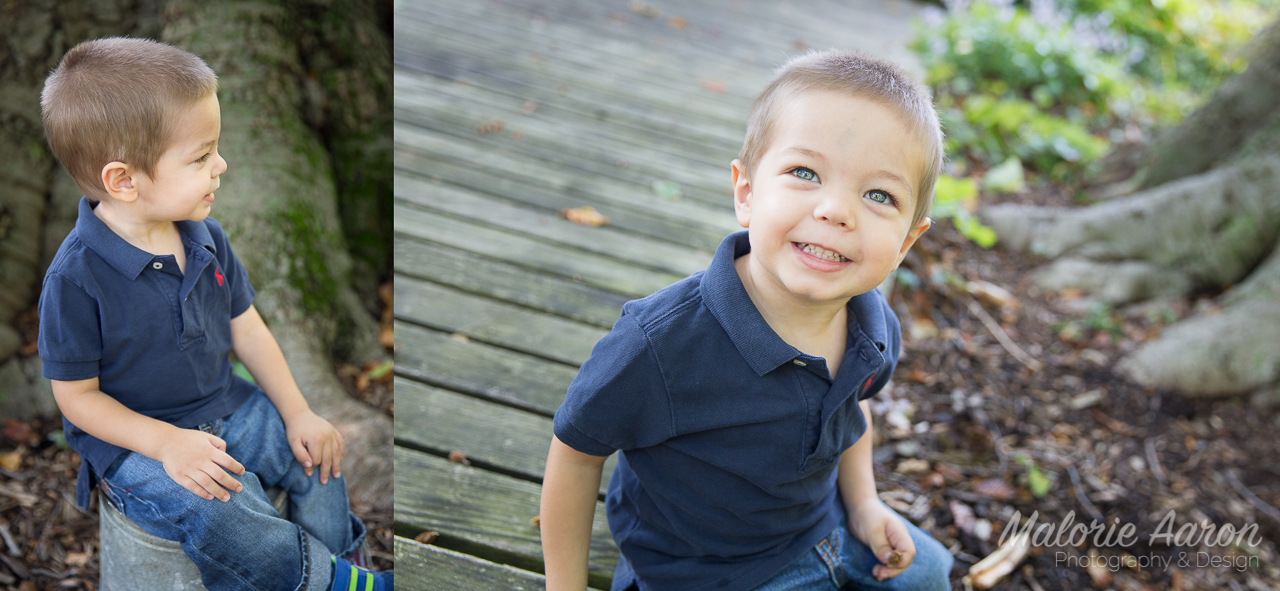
x=1208, y=221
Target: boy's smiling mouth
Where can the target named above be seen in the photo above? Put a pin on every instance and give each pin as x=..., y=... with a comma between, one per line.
x=820, y=252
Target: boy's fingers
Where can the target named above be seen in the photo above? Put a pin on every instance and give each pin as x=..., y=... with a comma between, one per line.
x=230, y=463
x=300, y=452
x=226, y=480
x=207, y=483
x=326, y=463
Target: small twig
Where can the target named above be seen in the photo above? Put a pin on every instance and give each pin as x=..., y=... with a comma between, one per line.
x=1002, y=336
x=1253, y=499
x=8, y=540
x=1080, y=495
x=1154, y=461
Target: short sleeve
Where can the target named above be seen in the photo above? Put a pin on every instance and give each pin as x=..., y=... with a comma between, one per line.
x=242, y=291
x=619, y=399
x=892, y=352
x=70, y=340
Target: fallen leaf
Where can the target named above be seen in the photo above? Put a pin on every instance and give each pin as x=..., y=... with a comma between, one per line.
x=458, y=457
x=1097, y=569
x=963, y=516
x=491, y=126
x=426, y=537
x=678, y=23
x=585, y=215
x=16, y=430
x=995, y=488
x=12, y=461
x=461, y=338
x=77, y=559
x=992, y=294
x=537, y=521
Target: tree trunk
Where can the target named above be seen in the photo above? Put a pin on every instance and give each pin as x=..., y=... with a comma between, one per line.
x=279, y=203
x=1209, y=220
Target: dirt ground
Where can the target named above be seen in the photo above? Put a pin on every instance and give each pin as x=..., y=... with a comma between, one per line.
x=980, y=435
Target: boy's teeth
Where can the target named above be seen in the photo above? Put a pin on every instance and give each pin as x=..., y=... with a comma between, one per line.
x=823, y=253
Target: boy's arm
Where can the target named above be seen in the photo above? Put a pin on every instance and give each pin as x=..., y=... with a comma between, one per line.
x=192, y=458
x=313, y=439
x=869, y=519
x=568, y=506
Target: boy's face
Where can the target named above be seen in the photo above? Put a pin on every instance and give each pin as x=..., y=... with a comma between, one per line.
x=829, y=204
x=187, y=174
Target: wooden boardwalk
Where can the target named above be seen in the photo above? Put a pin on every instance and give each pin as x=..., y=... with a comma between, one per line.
x=506, y=113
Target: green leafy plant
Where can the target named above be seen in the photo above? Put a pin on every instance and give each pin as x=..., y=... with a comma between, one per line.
x=1037, y=482
x=1052, y=83
x=952, y=198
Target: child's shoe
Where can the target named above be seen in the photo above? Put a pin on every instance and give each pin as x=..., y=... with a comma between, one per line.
x=348, y=577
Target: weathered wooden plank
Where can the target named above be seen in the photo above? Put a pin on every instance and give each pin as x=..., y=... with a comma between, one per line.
x=639, y=250
x=598, y=270
x=574, y=38
x=483, y=508
x=626, y=216
x=483, y=370
x=685, y=139
x=497, y=323
x=507, y=282
x=598, y=148
x=509, y=440
x=420, y=567
x=502, y=162
x=602, y=82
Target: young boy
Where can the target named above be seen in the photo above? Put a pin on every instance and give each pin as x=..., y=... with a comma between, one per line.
x=140, y=308
x=738, y=395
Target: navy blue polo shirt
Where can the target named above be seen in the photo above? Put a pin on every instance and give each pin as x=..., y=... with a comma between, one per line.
x=730, y=437
x=157, y=339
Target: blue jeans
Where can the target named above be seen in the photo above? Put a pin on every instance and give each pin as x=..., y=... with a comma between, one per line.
x=842, y=561
x=243, y=544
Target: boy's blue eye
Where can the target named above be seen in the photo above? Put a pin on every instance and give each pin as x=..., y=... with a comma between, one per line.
x=804, y=173
x=880, y=197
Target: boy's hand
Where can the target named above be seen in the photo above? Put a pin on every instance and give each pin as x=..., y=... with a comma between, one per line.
x=195, y=460
x=315, y=441
x=884, y=532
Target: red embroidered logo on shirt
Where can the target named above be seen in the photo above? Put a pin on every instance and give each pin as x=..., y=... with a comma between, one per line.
x=218, y=273
x=868, y=384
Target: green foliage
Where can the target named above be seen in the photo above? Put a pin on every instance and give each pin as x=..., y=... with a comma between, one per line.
x=953, y=198
x=1051, y=83
x=1036, y=481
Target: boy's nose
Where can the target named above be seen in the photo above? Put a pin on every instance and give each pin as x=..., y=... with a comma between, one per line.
x=836, y=210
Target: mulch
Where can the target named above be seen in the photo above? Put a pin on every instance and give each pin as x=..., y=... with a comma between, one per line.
x=981, y=437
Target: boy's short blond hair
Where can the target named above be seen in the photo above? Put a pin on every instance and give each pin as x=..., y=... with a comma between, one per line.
x=119, y=99
x=857, y=75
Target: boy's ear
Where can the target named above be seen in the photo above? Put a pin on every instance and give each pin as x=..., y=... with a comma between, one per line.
x=118, y=181
x=912, y=235
x=741, y=193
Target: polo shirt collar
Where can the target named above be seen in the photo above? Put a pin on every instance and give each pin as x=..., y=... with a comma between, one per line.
x=126, y=258
x=727, y=299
